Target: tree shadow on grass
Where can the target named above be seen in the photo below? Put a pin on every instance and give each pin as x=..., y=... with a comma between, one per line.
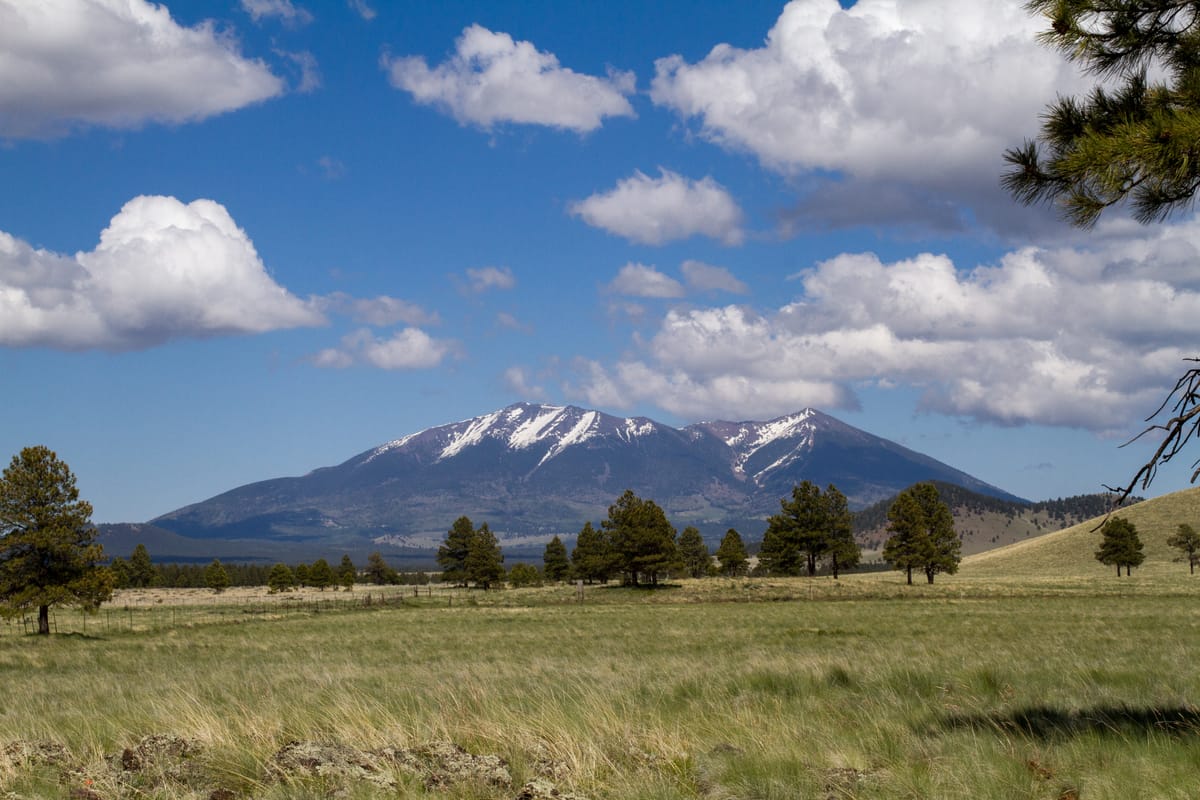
x=1044, y=722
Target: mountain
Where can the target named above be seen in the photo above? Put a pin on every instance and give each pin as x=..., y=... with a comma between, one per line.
x=531, y=471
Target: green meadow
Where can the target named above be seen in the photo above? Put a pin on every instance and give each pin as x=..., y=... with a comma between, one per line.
x=1033, y=673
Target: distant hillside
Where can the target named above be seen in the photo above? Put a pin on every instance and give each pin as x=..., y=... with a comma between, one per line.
x=1070, y=552
x=987, y=522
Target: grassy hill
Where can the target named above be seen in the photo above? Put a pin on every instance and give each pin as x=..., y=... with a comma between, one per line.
x=987, y=522
x=1070, y=552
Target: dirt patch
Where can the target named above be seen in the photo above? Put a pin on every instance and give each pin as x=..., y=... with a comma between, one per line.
x=443, y=764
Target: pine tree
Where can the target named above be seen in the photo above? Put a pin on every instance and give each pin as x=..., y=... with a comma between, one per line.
x=378, y=572
x=141, y=568
x=215, y=577
x=48, y=550
x=905, y=548
x=643, y=541
x=301, y=574
x=732, y=554
x=555, y=562
x=1121, y=545
x=320, y=575
x=1187, y=541
x=693, y=553
x=347, y=573
x=452, y=554
x=1132, y=139
x=923, y=535
x=592, y=559
x=842, y=549
x=943, y=547
x=280, y=579
x=484, y=564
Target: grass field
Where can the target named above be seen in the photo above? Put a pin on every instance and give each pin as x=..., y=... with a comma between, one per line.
x=1008, y=680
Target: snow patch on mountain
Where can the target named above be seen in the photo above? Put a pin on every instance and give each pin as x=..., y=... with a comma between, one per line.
x=752, y=437
x=395, y=444
x=534, y=430
x=635, y=427
x=583, y=430
x=474, y=434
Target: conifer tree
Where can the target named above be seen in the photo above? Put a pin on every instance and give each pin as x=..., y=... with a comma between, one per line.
x=1132, y=139
x=923, y=535
x=379, y=572
x=1121, y=545
x=1187, y=542
x=280, y=579
x=320, y=575
x=141, y=568
x=215, y=577
x=592, y=557
x=522, y=575
x=643, y=541
x=48, y=550
x=554, y=560
x=693, y=552
x=301, y=574
x=485, y=562
x=347, y=573
x=452, y=554
x=905, y=548
x=842, y=549
x=732, y=554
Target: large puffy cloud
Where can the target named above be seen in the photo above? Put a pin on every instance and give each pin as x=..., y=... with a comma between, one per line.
x=1081, y=337
x=909, y=98
x=116, y=63
x=663, y=209
x=492, y=79
x=162, y=270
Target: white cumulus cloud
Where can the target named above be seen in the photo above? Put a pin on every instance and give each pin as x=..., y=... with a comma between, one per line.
x=911, y=102
x=659, y=210
x=639, y=280
x=286, y=11
x=409, y=348
x=483, y=279
x=163, y=270
x=492, y=78
x=1086, y=337
x=116, y=63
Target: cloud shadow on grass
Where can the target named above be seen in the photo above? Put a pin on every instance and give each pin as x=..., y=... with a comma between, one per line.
x=1044, y=722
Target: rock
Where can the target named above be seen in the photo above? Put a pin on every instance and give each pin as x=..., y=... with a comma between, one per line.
x=543, y=789
x=329, y=761
x=442, y=764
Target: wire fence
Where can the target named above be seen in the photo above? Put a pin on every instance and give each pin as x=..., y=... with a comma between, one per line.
x=166, y=609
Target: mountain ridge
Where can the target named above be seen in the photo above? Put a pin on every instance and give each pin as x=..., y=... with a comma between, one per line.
x=536, y=470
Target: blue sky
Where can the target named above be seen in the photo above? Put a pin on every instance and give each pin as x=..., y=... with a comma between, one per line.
x=246, y=238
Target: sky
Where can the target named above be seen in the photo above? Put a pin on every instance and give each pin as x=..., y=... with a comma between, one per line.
x=242, y=239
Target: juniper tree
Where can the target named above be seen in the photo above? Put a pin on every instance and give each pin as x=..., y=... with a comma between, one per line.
x=1121, y=545
x=555, y=561
x=1133, y=139
x=1187, y=541
x=732, y=554
x=693, y=552
x=48, y=550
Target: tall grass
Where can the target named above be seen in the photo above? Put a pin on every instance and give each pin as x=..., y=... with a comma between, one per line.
x=871, y=690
